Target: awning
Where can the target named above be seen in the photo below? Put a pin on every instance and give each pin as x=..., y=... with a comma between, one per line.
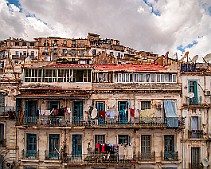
x=170, y=113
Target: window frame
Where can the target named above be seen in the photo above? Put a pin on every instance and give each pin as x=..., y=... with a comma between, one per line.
x=123, y=139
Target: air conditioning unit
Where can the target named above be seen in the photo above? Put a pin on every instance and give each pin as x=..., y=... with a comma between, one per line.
x=207, y=93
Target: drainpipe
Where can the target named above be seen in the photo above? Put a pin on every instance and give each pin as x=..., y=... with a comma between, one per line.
x=183, y=150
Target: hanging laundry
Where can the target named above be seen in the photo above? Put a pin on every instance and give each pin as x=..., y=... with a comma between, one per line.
x=108, y=113
x=132, y=112
x=56, y=112
x=103, y=148
x=102, y=114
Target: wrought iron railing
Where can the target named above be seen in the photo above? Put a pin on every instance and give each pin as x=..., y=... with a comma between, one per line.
x=30, y=154
x=98, y=122
x=195, y=133
x=169, y=156
x=146, y=156
x=54, y=155
x=96, y=159
x=3, y=143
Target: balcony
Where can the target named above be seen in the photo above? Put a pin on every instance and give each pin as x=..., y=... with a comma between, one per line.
x=43, y=121
x=30, y=154
x=138, y=86
x=195, y=165
x=62, y=121
x=52, y=155
x=8, y=111
x=146, y=156
x=195, y=133
x=3, y=143
x=169, y=156
x=96, y=159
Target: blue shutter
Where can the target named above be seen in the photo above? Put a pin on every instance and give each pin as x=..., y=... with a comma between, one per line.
x=31, y=145
x=54, y=146
x=195, y=101
x=77, y=146
x=26, y=108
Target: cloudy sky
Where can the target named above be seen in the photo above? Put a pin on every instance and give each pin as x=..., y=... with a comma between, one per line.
x=158, y=26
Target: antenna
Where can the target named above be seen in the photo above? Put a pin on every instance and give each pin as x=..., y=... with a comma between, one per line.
x=195, y=58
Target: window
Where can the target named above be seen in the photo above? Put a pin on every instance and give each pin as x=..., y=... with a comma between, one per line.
x=2, y=140
x=17, y=53
x=31, y=145
x=64, y=52
x=146, y=143
x=2, y=103
x=82, y=62
x=147, y=77
x=101, y=112
x=32, y=54
x=195, y=157
x=145, y=105
x=102, y=77
x=169, y=147
x=100, y=139
x=24, y=54
x=152, y=77
x=195, y=127
x=31, y=43
x=174, y=78
x=124, y=77
x=23, y=43
x=55, y=43
x=54, y=145
x=193, y=88
x=195, y=123
x=53, y=105
x=146, y=147
x=123, y=139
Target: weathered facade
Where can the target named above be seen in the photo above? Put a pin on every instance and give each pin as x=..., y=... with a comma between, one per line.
x=93, y=103
x=130, y=108
x=196, y=108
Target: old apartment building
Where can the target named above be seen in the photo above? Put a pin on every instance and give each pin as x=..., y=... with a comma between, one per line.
x=98, y=109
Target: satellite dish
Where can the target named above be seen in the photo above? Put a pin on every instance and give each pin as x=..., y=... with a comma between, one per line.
x=94, y=113
x=207, y=58
x=195, y=58
x=205, y=162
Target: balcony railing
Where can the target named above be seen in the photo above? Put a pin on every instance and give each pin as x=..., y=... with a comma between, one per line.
x=3, y=143
x=97, y=122
x=146, y=156
x=6, y=110
x=30, y=154
x=170, y=156
x=54, y=155
x=195, y=133
x=96, y=159
x=195, y=166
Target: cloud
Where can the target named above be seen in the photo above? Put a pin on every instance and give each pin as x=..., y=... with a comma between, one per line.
x=149, y=25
